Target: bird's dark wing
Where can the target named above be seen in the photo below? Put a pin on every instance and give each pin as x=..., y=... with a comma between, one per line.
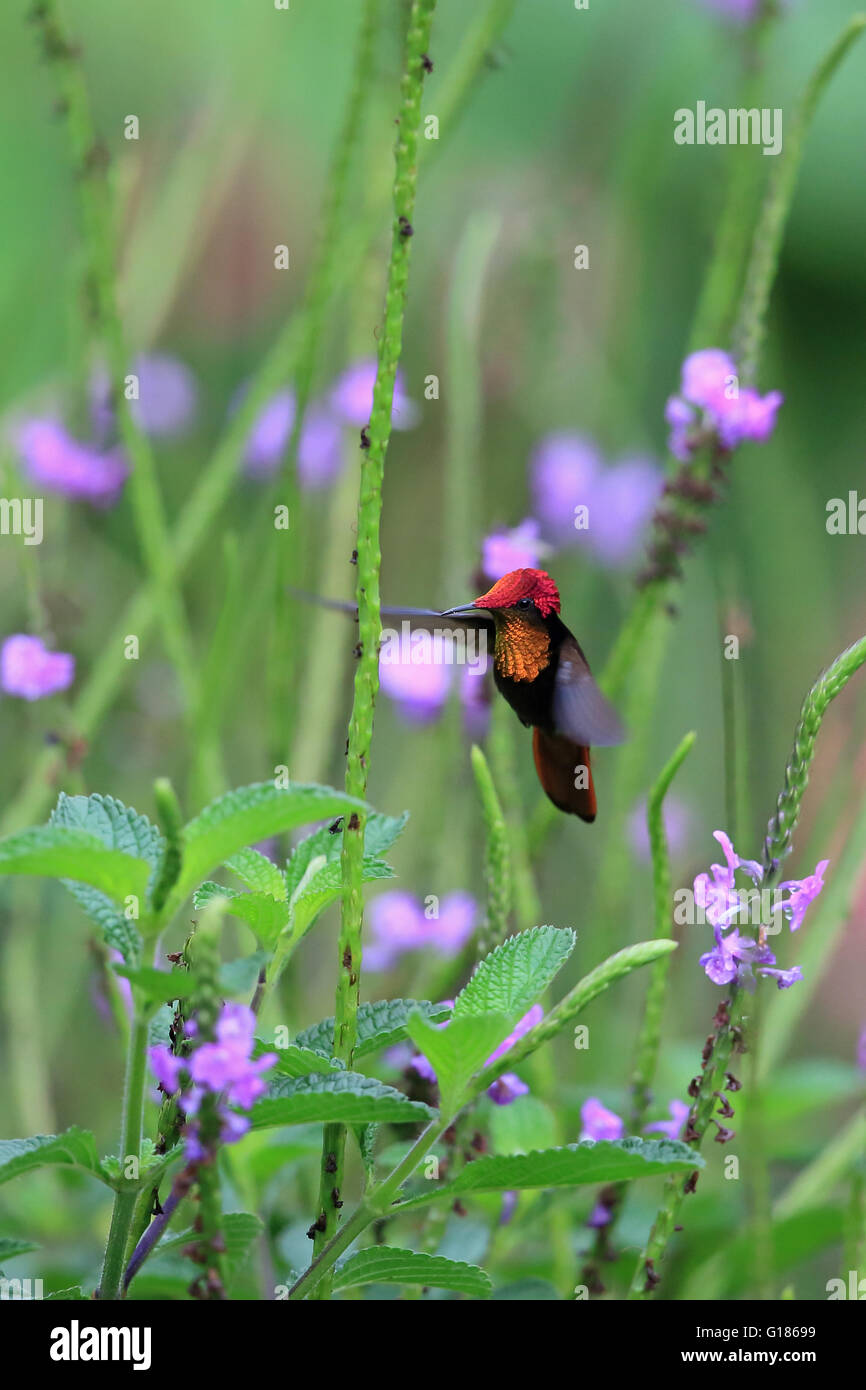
x=423, y=618
x=580, y=711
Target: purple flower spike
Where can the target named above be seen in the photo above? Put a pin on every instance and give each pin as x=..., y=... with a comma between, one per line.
x=622, y=503
x=671, y=1128
x=504, y=551
x=226, y=1065
x=598, y=1122
x=56, y=461
x=712, y=400
x=507, y=1088
x=352, y=398
x=270, y=435
x=784, y=978
x=29, y=670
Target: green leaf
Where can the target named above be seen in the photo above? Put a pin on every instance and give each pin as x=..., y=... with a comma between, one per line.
x=604, y=1161
x=511, y=978
x=324, y=887
x=239, y=977
x=241, y=817
x=158, y=986
x=297, y=1061
x=340, y=1097
x=380, y=1025
x=380, y=832
x=57, y=851
x=119, y=931
x=385, y=1264
x=265, y=916
x=457, y=1051
x=116, y=825
x=10, y=1246
x=75, y=1148
x=258, y=872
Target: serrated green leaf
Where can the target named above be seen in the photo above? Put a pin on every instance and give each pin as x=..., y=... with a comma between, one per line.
x=380, y=832
x=573, y=1165
x=297, y=1061
x=385, y=1264
x=340, y=1097
x=458, y=1050
x=116, y=825
x=248, y=814
x=264, y=915
x=59, y=851
x=75, y=1148
x=118, y=930
x=380, y=1025
x=511, y=978
x=259, y=873
x=10, y=1246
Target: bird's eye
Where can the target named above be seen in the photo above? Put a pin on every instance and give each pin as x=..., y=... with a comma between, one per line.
x=524, y=603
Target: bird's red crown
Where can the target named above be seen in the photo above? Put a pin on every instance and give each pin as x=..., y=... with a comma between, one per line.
x=511, y=588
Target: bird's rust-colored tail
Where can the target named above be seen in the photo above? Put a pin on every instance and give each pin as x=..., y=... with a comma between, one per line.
x=559, y=764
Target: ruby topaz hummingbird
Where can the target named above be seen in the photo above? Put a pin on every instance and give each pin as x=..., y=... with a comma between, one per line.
x=540, y=669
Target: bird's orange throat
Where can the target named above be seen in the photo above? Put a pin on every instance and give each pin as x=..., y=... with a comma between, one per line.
x=522, y=650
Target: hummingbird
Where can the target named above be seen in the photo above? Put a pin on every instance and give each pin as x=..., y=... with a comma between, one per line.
x=540, y=669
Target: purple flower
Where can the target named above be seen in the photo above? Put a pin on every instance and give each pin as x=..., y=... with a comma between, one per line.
x=507, y=1088
x=504, y=551
x=56, y=461
x=568, y=473
x=734, y=956
x=718, y=897
x=352, y=397
x=29, y=670
x=224, y=1068
x=320, y=447
x=672, y=1128
x=598, y=1122
x=417, y=676
x=711, y=400
x=563, y=469
x=226, y=1065
x=400, y=924
x=803, y=892
x=600, y=1216
x=166, y=1067
x=167, y=397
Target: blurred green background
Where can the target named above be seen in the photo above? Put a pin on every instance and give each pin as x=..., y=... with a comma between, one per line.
x=565, y=139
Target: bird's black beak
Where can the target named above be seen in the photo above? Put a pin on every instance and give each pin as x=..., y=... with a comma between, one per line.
x=463, y=610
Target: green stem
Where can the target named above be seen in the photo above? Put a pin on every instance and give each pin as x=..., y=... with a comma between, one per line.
x=767, y=244
x=369, y=619
x=91, y=158
x=497, y=861
x=111, y=1283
